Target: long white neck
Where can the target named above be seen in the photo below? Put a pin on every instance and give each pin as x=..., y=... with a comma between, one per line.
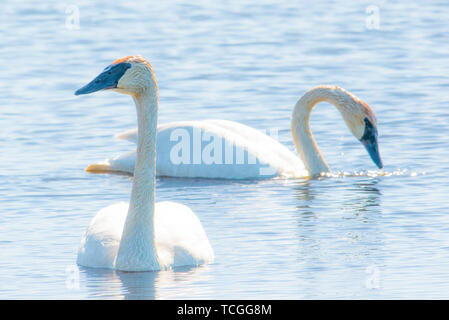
x=302, y=135
x=137, y=246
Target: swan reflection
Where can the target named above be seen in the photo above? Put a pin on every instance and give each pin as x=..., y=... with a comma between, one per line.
x=167, y=284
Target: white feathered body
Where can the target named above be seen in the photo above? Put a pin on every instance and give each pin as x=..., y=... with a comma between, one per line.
x=236, y=151
x=180, y=239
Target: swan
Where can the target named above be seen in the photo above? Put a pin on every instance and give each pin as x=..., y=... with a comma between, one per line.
x=249, y=153
x=141, y=235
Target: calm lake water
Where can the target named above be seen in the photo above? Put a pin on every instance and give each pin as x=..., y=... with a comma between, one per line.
x=346, y=236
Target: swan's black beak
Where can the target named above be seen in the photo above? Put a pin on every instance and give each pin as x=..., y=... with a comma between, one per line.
x=108, y=79
x=369, y=140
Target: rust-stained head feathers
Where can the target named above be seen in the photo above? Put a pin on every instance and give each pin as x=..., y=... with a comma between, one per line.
x=131, y=75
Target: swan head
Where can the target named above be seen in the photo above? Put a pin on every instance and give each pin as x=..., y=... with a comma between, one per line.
x=362, y=122
x=129, y=75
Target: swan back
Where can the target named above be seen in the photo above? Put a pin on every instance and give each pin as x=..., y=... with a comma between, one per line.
x=227, y=150
x=99, y=244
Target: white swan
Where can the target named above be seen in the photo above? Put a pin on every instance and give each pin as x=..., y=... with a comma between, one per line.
x=141, y=236
x=244, y=152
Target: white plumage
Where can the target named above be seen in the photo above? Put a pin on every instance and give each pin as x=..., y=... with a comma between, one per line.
x=179, y=237
x=263, y=156
x=253, y=154
x=144, y=235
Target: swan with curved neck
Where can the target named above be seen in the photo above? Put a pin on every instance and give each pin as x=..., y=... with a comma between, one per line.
x=141, y=236
x=359, y=118
x=271, y=158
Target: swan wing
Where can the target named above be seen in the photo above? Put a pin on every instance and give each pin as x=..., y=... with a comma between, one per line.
x=129, y=135
x=180, y=237
x=244, y=152
x=99, y=244
x=288, y=162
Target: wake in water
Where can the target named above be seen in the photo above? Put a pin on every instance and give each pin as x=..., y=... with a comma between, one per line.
x=372, y=173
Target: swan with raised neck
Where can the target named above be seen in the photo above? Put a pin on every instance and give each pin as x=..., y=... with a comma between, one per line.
x=151, y=238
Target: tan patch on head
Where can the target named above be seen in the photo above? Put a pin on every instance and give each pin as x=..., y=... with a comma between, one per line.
x=135, y=59
x=355, y=111
x=366, y=109
x=139, y=60
x=121, y=60
x=369, y=113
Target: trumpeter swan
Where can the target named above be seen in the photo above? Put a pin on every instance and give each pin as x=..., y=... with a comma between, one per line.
x=242, y=152
x=141, y=236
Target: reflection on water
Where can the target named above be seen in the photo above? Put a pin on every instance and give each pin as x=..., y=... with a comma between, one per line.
x=111, y=284
x=325, y=236
x=357, y=196
x=367, y=197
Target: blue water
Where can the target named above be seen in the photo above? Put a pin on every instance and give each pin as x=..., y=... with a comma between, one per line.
x=345, y=236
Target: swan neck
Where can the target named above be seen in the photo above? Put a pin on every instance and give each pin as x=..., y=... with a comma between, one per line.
x=143, y=188
x=137, y=246
x=302, y=135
